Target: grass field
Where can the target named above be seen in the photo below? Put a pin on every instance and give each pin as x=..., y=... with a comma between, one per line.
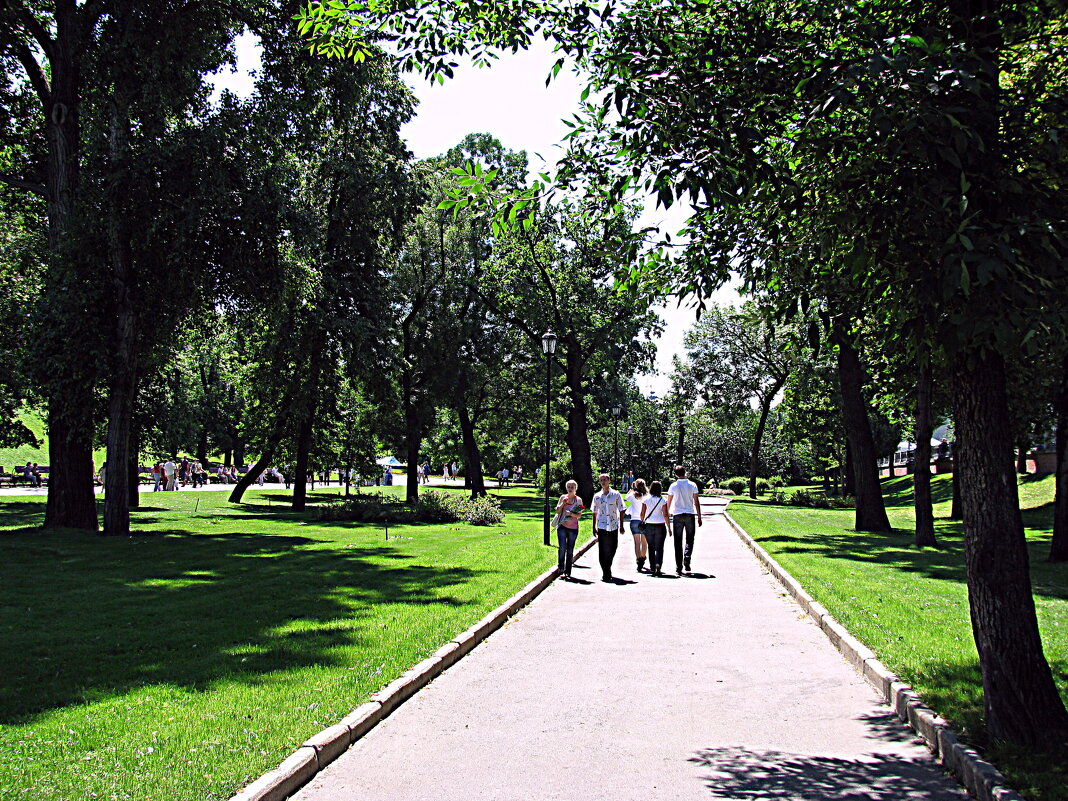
x=184, y=661
x=910, y=605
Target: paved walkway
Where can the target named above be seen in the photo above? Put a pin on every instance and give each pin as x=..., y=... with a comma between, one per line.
x=710, y=686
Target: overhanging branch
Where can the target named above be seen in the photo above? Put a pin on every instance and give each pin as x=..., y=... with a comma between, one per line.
x=23, y=183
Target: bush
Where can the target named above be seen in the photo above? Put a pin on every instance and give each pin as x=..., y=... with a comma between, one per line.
x=438, y=506
x=432, y=506
x=778, y=496
x=737, y=485
x=815, y=500
x=370, y=508
x=762, y=486
x=776, y=481
x=485, y=511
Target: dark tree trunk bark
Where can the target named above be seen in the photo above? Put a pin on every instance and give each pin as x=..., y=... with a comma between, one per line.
x=413, y=439
x=1022, y=447
x=1021, y=700
x=473, y=479
x=849, y=484
x=239, y=452
x=71, y=500
x=202, y=446
x=577, y=435
x=834, y=478
x=758, y=437
x=680, y=449
x=227, y=460
x=134, y=484
x=921, y=475
x=826, y=482
x=1058, y=551
x=300, y=480
x=123, y=383
x=956, y=511
x=870, y=511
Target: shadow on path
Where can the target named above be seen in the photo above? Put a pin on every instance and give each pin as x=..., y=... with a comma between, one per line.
x=742, y=774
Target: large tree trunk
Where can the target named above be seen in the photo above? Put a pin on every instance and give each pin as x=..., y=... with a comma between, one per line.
x=956, y=511
x=304, y=438
x=758, y=437
x=1058, y=551
x=123, y=383
x=577, y=435
x=870, y=511
x=472, y=455
x=134, y=474
x=1021, y=699
x=71, y=500
x=921, y=475
x=849, y=483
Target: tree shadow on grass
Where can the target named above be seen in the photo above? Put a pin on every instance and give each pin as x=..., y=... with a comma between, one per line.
x=897, y=549
x=85, y=617
x=740, y=773
x=20, y=515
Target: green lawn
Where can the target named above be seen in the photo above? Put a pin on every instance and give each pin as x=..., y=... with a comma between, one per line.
x=910, y=605
x=184, y=661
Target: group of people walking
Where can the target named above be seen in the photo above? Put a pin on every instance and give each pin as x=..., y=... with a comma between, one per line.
x=652, y=514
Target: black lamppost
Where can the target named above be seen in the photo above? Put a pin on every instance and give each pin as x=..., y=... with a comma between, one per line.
x=616, y=410
x=630, y=449
x=548, y=347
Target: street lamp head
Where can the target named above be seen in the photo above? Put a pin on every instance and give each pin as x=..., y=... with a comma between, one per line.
x=630, y=429
x=548, y=343
x=616, y=411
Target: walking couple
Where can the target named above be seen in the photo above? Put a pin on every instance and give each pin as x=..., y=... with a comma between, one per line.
x=650, y=514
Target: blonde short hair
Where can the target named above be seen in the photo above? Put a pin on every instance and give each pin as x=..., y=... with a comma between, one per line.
x=571, y=483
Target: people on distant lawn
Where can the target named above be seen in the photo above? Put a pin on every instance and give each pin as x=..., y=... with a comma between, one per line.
x=570, y=508
x=157, y=476
x=684, y=511
x=628, y=481
x=170, y=474
x=635, y=498
x=607, y=508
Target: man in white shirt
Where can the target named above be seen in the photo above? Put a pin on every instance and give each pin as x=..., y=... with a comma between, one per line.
x=169, y=469
x=684, y=504
x=608, y=509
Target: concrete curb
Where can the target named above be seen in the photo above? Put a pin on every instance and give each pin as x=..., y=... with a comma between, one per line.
x=323, y=748
x=980, y=778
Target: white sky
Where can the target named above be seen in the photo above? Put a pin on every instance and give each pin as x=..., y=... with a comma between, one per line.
x=510, y=101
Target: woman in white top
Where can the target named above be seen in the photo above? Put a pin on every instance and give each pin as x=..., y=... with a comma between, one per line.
x=655, y=519
x=634, y=499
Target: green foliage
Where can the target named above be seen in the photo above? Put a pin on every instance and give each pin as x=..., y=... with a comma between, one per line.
x=739, y=485
x=810, y=500
x=432, y=506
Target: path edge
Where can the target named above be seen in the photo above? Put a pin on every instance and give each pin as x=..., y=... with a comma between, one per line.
x=321, y=749
x=974, y=773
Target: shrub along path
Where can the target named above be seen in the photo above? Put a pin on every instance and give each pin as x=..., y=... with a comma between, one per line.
x=184, y=661
x=712, y=685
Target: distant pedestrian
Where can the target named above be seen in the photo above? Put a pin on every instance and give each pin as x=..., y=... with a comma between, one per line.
x=387, y=479
x=445, y=471
x=607, y=511
x=684, y=510
x=157, y=476
x=569, y=507
x=635, y=498
x=170, y=474
x=628, y=481
x=654, y=519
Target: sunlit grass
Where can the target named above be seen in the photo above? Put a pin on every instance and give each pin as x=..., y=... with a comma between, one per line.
x=184, y=661
x=910, y=605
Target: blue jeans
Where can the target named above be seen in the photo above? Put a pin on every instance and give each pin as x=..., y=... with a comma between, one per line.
x=566, y=537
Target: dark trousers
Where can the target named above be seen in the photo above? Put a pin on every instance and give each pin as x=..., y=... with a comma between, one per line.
x=684, y=524
x=566, y=538
x=607, y=542
x=655, y=534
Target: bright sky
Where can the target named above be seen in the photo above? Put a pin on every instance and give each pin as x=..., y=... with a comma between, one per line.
x=511, y=101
